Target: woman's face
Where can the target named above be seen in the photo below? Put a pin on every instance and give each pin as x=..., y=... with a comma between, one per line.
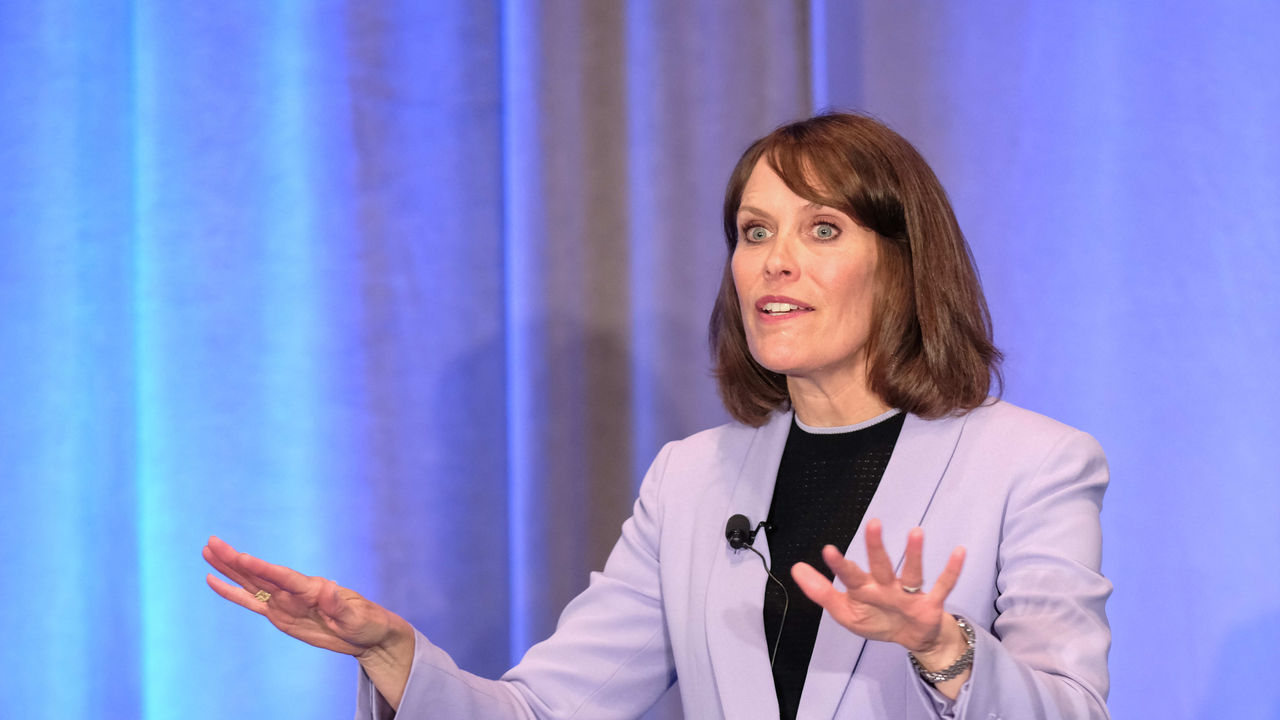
x=805, y=276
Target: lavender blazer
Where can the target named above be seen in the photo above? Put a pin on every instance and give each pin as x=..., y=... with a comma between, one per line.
x=1021, y=492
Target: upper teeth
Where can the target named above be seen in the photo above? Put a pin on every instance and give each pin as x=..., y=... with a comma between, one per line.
x=777, y=307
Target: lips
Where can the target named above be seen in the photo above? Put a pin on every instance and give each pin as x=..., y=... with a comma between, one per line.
x=781, y=306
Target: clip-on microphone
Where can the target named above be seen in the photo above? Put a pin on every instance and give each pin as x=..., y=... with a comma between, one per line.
x=739, y=534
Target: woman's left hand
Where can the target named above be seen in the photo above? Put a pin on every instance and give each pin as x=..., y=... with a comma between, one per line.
x=875, y=604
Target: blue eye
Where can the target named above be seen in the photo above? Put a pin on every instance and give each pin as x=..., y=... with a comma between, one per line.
x=825, y=231
x=756, y=233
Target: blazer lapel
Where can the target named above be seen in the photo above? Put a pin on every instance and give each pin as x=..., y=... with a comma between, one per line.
x=919, y=459
x=735, y=594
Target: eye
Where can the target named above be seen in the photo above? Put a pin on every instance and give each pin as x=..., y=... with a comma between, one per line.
x=756, y=233
x=825, y=231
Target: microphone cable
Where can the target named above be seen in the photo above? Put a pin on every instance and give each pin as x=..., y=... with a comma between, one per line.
x=739, y=534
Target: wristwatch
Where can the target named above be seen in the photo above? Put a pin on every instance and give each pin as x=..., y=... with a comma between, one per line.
x=959, y=666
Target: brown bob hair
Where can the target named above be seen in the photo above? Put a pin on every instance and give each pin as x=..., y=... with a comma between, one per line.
x=931, y=351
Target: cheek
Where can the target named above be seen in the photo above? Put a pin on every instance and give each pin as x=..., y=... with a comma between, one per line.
x=737, y=269
x=855, y=286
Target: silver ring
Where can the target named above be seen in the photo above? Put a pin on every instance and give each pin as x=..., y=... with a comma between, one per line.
x=911, y=590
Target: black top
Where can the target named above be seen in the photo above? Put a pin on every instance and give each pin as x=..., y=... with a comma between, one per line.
x=825, y=483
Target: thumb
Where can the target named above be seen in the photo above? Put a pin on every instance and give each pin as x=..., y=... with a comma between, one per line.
x=331, y=602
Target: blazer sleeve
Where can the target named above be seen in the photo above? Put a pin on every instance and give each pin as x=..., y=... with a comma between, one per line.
x=1045, y=656
x=609, y=657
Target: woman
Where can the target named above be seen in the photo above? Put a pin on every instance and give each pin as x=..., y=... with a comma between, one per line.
x=853, y=349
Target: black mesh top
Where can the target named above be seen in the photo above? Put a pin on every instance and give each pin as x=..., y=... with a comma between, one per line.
x=825, y=483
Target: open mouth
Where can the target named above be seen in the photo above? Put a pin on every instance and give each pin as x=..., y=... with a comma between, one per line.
x=777, y=309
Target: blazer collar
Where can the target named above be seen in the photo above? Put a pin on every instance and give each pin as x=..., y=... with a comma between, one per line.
x=735, y=595
x=919, y=459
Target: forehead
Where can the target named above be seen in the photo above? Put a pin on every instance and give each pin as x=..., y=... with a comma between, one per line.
x=766, y=187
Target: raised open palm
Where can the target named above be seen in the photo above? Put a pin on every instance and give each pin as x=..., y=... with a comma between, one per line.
x=312, y=609
x=879, y=605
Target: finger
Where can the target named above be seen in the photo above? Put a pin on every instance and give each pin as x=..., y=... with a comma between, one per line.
x=232, y=564
x=950, y=574
x=815, y=585
x=222, y=550
x=221, y=555
x=279, y=576
x=912, y=569
x=219, y=564
x=848, y=571
x=237, y=595
x=877, y=559
x=241, y=568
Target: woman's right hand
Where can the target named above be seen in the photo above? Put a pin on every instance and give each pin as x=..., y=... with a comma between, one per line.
x=318, y=612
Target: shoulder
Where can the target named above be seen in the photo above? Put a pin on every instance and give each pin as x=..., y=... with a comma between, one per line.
x=1001, y=440
x=725, y=442
x=1001, y=424
x=717, y=458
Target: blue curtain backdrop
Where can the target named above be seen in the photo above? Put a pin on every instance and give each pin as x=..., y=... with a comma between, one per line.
x=408, y=295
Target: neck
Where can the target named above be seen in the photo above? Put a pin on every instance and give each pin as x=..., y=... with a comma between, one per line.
x=820, y=406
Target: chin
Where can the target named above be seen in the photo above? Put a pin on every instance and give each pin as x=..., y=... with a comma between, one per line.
x=781, y=365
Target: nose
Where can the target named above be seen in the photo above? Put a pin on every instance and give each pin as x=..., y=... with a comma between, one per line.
x=780, y=262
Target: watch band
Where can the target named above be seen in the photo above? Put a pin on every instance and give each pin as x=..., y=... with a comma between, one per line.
x=959, y=666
